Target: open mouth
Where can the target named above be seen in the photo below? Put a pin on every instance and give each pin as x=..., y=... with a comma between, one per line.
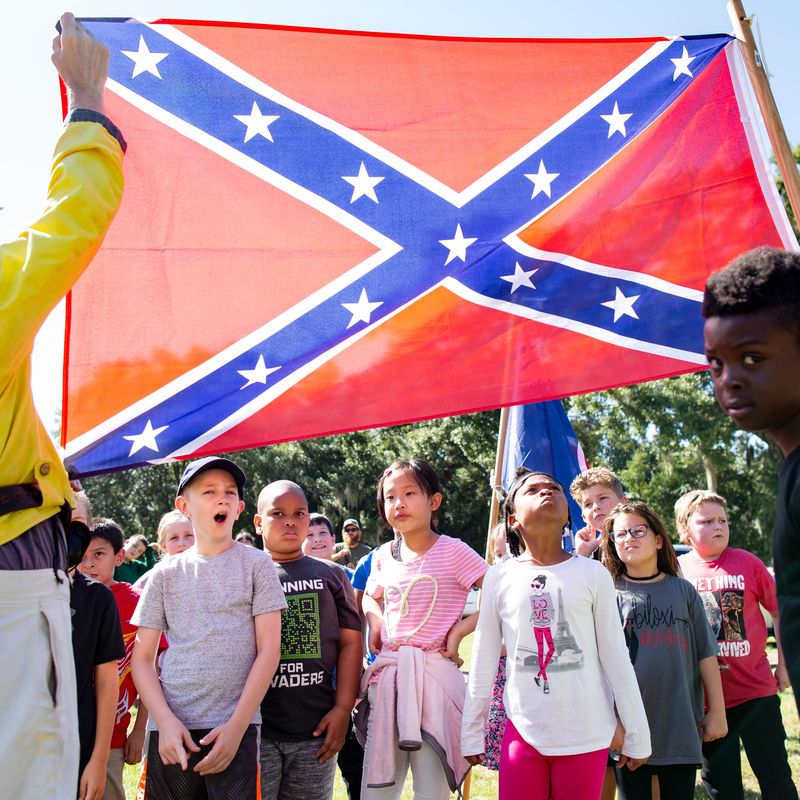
x=221, y=517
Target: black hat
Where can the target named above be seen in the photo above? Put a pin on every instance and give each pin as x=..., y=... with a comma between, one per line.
x=213, y=462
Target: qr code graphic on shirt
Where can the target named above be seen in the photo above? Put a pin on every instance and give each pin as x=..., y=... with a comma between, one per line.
x=300, y=627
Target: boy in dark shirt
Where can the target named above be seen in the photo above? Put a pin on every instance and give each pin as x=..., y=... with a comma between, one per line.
x=752, y=342
x=96, y=645
x=306, y=712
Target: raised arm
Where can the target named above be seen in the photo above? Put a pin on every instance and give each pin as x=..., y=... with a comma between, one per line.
x=82, y=63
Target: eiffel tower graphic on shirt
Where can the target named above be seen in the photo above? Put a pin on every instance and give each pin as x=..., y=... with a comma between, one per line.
x=568, y=655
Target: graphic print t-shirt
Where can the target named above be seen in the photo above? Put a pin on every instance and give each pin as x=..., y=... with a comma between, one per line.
x=319, y=601
x=126, y=597
x=731, y=588
x=667, y=635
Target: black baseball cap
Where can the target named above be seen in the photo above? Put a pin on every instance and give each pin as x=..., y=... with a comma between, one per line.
x=213, y=462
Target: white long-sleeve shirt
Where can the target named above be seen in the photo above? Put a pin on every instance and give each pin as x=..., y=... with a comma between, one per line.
x=587, y=673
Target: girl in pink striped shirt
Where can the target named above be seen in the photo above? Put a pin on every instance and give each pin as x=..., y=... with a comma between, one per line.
x=414, y=600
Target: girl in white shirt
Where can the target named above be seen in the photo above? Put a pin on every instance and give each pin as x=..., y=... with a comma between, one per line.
x=562, y=688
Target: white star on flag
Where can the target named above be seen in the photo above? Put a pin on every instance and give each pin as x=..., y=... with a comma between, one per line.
x=363, y=184
x=144, y=60
x=147, y=438
x=520, y=277
x=622, y=306
x=257, y=123
x=258, y=374
x=616, y=121
x=362, y=310
x=457, y=245
x=682, y=64
x=542, y=180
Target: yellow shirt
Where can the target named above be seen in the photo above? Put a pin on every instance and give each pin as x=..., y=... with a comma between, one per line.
x=36, y=271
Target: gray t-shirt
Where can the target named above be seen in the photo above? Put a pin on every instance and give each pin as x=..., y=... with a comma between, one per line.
x=667, y=634
x=206, y=606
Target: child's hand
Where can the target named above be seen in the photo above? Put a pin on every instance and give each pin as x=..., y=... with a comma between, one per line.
x=782, y=677
x=586, y=542
x=226, y=739
x=450, y=650
x=93, y=781
x=334, y=725
x=475, y=760
x=174, y=740
x=134, y=745
x=618, y=738
x=714, y=726
x=630, y=763
x=374, y=641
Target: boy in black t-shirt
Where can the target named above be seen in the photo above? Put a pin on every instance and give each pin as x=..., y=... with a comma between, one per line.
x=306, y=712
x=96, y=646
x=752, y=342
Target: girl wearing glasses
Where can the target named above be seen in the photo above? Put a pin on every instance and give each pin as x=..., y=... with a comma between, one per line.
x=567, y=664
x=672, y=649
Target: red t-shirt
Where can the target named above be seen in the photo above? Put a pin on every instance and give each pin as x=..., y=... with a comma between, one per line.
x=732, y=588
x=127, y=597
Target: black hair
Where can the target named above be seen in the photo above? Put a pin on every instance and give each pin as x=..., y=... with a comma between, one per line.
x=764, y=279
x=109, y=531
x=540, y=579
x=422, y=472
x=321, y=519
x=515, y=544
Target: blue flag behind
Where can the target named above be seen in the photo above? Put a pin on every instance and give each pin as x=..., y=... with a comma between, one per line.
x=540, y=436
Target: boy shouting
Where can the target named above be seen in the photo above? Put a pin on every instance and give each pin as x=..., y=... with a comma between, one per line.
x=219, y=603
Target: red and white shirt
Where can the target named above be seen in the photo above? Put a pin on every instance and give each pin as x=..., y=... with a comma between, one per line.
x=732, y=589
x=425, y=597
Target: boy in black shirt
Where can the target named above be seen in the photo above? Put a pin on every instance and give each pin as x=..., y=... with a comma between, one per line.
x=306, y=712
x=752, y=342
x=96, y=646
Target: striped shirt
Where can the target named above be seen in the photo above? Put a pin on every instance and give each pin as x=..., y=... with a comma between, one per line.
x=425, y=597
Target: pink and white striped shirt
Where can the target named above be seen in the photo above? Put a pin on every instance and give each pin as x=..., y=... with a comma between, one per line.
x=423, y=598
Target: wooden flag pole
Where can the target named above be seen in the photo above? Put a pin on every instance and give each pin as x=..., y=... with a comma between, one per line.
x=766, y=102
x=497, y=478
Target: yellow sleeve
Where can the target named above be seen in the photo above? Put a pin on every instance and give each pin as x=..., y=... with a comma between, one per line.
x=41, y=265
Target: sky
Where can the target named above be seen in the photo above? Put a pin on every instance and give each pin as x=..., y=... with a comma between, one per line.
x=32, y=106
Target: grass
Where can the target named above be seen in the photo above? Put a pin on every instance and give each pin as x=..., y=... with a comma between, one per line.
x=484, y=781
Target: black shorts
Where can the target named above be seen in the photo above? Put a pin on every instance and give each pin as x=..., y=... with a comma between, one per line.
x=240, y=781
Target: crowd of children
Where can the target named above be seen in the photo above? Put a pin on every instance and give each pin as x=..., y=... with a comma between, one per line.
x=615, y=669
x=573, y=656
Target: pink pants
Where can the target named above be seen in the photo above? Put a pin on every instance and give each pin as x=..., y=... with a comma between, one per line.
x=525, y=772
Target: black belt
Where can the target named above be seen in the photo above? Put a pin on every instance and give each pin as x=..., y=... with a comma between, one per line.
x=19, y=497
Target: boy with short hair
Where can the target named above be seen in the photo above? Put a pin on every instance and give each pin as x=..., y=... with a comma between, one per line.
x=596, y=491
x=138, y=559
x=752, y=342
x=97, y=646
x=320, y=634
x=219, y=603
x=733, y=584
x=104, y=553
x=321, y=539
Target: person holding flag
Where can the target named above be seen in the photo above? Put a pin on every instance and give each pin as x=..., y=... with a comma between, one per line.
x=39, y=738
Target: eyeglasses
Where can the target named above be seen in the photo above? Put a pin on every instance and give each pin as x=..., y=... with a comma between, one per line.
x=351, y=529
x=636, y=532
